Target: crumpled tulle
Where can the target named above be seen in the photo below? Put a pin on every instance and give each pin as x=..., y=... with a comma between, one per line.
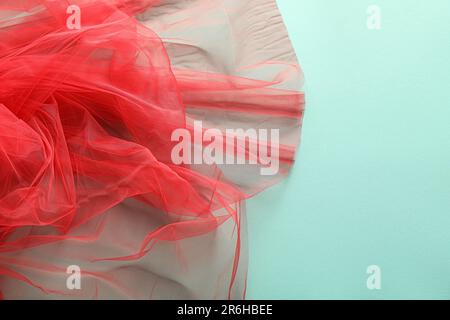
x=85, y=143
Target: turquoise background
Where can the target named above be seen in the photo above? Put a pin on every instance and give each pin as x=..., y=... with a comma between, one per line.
x=371, y=184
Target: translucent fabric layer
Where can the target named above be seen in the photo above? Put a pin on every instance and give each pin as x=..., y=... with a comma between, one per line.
x=86, y=143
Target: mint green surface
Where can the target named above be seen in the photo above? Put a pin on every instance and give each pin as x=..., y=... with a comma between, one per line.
x=371, y=184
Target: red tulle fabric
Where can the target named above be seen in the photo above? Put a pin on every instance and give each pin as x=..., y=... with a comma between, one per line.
x=85, y=147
